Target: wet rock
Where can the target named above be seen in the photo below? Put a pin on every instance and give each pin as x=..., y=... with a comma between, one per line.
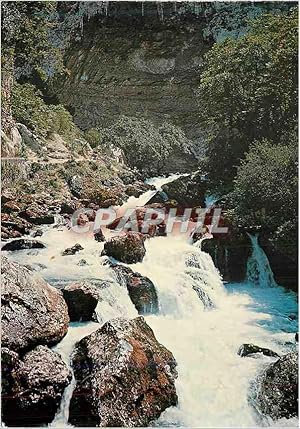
x=104, y=196
x=99, y=236
x=33, y=312
x=137, y=223
x=82, y=263
x=141, y=290
x=37, y=214
x=250, y=349
x=82, y=219
x=72, y=250
x=277, y=388
x=10, y=362
x=159, y=197
x=7, y=233
x=69, y=207
x=15, y=223
x=37, y=233
x=33, y=386
x=128, y=248
x=10, y=206
x=81, y=298
x=229, y=253
x=138, y=188
x=283, y=263
x=124, y=377
x=188, y=191
x=23, y=244
x=204, y=297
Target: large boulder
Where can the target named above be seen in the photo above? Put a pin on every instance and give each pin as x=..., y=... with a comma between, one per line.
x=104, y=196
x=141, y=289
x=277, y=388
x=128, y=248
x=188, y=191
x=23, y=244
x=33, y=312
x=124, y=377
x=32, y=387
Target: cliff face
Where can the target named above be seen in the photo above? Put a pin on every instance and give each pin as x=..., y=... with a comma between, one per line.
x=135, y=67
x=144, y=58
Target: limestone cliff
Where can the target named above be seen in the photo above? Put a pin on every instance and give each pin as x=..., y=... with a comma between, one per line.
x=144, y=58
x=135, y=68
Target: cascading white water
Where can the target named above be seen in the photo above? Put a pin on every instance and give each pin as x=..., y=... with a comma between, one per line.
x=258, y=267
x=200, y=320
x=213, y=381
x=158, y=182
x=76, y=331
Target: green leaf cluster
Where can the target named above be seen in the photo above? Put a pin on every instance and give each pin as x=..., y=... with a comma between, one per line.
x=248, y=91
x=29, y=108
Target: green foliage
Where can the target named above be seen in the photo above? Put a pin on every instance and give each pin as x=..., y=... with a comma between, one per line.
x=29, y=108
x=265, y=188
x=27, y=33
x=248, y=91
x=93, y=136
x=146, y=146
x=62, y=122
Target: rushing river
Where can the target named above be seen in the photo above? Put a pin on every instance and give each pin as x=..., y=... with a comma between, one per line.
x=214, y=384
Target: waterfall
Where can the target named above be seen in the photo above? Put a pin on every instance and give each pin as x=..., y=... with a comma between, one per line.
x=65, y=348
x=200, y=320
x=259, y=271
x=157, y=182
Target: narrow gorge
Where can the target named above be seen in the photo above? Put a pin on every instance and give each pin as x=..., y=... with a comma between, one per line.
x=149, y=266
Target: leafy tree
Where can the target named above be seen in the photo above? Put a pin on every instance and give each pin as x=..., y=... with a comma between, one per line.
x=265, y=188
x=27, y=47
x=29, y=108
x=248, y=91
x=146, y=146
x=62, y=122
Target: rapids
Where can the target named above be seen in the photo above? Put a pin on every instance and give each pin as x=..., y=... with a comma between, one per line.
x=201, y=320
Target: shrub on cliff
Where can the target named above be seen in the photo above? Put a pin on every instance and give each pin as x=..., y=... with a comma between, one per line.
x=29, y=108
x=93, y=136
x=145, y=145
